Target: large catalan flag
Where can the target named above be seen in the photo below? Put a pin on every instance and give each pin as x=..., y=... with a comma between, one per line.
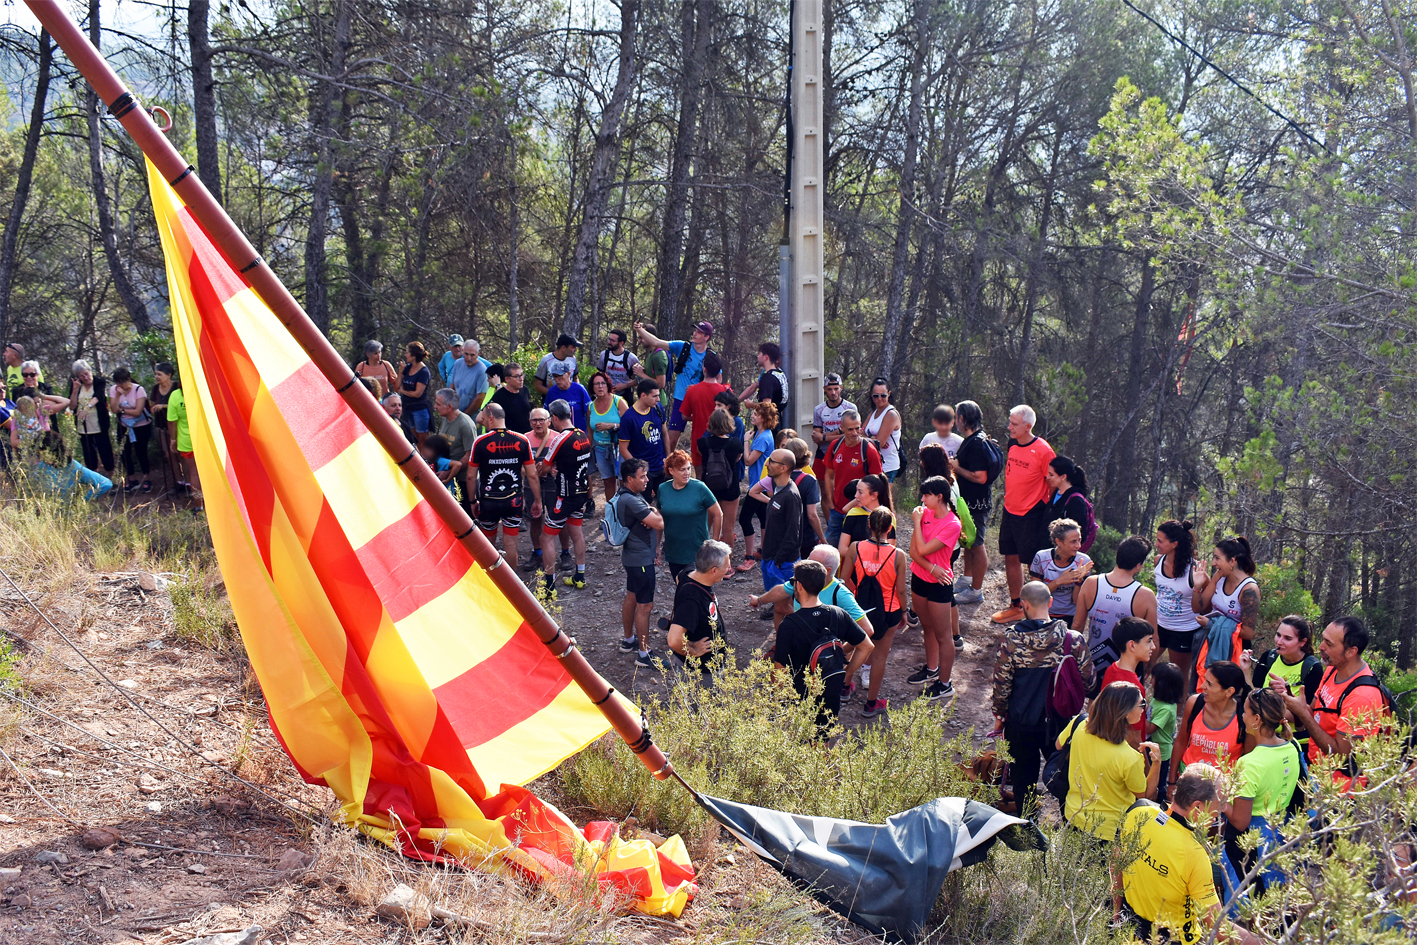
x=394, y=670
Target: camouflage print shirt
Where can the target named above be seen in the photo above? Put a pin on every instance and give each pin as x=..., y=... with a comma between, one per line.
x=1036, y=644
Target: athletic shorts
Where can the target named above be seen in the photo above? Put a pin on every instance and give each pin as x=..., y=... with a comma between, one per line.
x=1177, y=641
x=932, y=591
x=677, y=420
x=562, y=510
x=504, y=512
x=981, y=522
x=1019, y=534
x=775, y=575
x=187, y=455
x=889, y=620
x=640, y=582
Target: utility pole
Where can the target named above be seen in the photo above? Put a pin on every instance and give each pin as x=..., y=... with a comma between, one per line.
x=801, y=323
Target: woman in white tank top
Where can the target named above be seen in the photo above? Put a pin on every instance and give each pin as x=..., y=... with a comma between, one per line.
x=1232, y=590
x=883, y=427
x=1178, y=575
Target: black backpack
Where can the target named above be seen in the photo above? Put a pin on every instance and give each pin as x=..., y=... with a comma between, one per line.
x=870, y=595
x=718, y=471
x=1055, y=769
x=995, y=459
x=828, y=658
x=1350, y=767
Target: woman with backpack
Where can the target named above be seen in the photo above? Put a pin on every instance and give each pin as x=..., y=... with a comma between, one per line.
x=721, y=452
x=1290, y=664
x=1262, y=787
x=1069, y=500
x=1177, y=575
x=1063, y=568
x=875, y=572
x=1105, y=774
x=1212, y=728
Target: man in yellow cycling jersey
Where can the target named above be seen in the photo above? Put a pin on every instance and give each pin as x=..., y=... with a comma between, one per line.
x=1169, y=885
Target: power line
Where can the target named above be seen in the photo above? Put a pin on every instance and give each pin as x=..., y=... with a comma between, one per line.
x=1227, y=76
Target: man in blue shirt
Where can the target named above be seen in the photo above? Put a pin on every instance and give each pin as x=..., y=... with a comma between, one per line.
x=564, y=387
x=469, y=377
x=642, y=431
x=686, y=361
x=449, y=358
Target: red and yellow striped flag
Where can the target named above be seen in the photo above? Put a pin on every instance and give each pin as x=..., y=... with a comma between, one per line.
x=394, y=670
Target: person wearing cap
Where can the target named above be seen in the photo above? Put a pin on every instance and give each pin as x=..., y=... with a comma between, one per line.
x=564, y=352
x=565, y=387
x=14, y=357
x=469, y=378
x=771, y=384
x=826, y=416
x=449, y=358
x=687, y=364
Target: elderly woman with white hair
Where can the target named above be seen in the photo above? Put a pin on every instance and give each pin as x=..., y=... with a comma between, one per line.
x=88, y=399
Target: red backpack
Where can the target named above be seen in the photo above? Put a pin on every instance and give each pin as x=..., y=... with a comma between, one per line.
x=1067, y=695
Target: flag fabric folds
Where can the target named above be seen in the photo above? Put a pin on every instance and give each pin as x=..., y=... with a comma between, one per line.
x=394, y=670
x=883, y=877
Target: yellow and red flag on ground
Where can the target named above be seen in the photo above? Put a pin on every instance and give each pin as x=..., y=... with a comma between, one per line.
x=394, y=670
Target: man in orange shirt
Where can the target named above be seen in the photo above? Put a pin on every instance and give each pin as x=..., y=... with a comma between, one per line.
x=1349, y=705
x=1021, y=533
x=698, y=404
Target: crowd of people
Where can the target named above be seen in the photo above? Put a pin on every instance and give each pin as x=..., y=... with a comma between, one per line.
x=1139, y=704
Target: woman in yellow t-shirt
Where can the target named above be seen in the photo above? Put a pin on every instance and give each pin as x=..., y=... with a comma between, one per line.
x=1105, y=774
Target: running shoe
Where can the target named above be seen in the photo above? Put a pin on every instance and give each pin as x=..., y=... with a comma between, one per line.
x=959, y=642
x=766, y=613
x=147, y=486
x=912, y=620
x=923, y=676
x=532, y=563
x=131, y=486
x=629, y=646
x=1009, y=615
x=939, y=691
x=873, y=708
x=646, y=660
x=962, y=582
x=576, y=580
x=849, y=690
x=565, y=562
x=968, y=596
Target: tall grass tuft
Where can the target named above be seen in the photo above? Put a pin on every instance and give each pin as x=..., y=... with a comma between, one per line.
x=750, y=739
x=201, y=614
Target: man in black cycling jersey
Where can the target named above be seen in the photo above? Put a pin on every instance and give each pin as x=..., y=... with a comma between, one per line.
x=568, y=459
x=500, y=463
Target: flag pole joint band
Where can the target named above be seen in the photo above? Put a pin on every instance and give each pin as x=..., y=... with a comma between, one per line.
x=181, y=177
x=609, y=691
x=643, y=743
x=347, y=384
x=406, y=458
x=124, y=104
x=250, y=265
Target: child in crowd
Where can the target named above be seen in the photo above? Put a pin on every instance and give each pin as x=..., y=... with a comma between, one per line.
x=1135, y=640
x=1168, y=688
x=436, y=451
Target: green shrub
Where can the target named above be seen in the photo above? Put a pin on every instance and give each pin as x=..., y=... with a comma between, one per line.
x=1104, y=549
x=750, y=739
x=201, y=614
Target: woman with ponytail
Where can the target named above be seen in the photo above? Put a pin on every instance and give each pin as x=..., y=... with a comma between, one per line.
x=1212, y=730
x=1068, y=481
x=1231, y=596
x=1264, y=783
x=1178, y=574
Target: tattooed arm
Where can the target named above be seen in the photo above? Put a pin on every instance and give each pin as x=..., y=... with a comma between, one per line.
x=1249, y=611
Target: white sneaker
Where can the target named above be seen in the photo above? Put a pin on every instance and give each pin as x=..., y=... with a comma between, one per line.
x=963, y=583
x=968, y=596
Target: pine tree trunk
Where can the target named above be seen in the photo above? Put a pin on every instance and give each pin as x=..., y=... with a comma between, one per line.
x=694, y=32
x=10, y=247
x=137, y=311
x=204, y=97
x=322, y=119
x=597, y=191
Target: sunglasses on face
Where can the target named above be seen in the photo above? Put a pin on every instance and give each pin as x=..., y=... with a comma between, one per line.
x=28, y=374
x=879, y=396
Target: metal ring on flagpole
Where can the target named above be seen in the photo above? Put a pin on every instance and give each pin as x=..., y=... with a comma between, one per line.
x=566, y=653
x=494, y=565
x=166, y=124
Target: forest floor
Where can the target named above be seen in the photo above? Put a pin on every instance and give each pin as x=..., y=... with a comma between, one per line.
x=120, y=818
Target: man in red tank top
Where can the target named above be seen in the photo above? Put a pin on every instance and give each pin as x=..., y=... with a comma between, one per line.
x=1025, y=504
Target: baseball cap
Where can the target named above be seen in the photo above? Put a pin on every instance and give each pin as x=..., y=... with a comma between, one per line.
x=455, y=339
x=558, y=367
x=565, y=339
x=831, y=379
x=705, y=327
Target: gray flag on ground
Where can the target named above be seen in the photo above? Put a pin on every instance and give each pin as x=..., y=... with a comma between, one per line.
x=883, y=877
